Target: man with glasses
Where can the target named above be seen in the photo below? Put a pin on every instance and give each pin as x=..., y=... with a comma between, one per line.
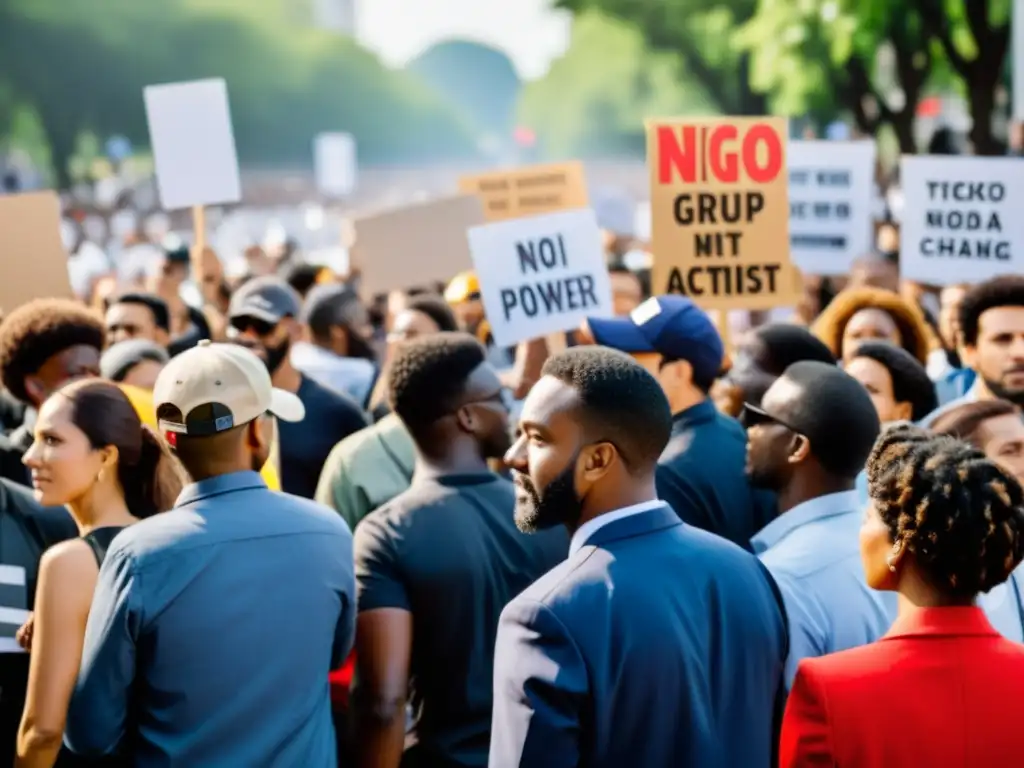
x=436, y=565
x=809, y=438
x=263, y=317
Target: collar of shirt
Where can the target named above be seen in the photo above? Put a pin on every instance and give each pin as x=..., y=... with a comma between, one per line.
x=830, y=505
x=591, y=527
x=696, y=414
x=215, y=486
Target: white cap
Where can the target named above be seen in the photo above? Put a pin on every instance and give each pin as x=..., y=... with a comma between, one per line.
x=215, y=387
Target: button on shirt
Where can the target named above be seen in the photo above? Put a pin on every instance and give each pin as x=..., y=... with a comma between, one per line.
x=813, y=552
x=702, y=476
x=213, y=629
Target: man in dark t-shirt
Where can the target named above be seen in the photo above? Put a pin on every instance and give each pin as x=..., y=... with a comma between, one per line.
x=436, y=565
x=263, y=316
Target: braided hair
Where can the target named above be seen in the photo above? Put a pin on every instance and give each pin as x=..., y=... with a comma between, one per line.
x=960, y=514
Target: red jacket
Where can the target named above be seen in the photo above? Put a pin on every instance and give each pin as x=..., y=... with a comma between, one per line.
x=942, y=689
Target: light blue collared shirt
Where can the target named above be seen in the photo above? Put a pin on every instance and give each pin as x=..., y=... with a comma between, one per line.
x=813, y=552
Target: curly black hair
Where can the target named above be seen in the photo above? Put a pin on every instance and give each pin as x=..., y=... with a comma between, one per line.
x=1002, y=291
x=38, y=330
x=910, y=381
x=619, y=402
x=959, y=514
x=428, y=374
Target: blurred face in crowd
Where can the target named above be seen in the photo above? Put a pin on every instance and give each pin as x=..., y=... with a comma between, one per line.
x=133, y=321
x=72, y=363
x=774, y=450
x=627, y=293
x=877, y=380
x=949, y=312
x=998, y=355
x=869, y=325
x=143, y=374
x=63, y=463
x=877, y=550
x=271, y=342
x=549, y=459
x=1001, y=439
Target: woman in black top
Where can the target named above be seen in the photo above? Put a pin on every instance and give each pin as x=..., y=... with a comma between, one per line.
x=93, y=455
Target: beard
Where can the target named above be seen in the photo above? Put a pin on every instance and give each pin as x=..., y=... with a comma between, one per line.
x=558, y=504
x=1015, y=396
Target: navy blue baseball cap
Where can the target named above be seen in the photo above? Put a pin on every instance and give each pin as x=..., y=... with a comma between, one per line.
x=671, y=326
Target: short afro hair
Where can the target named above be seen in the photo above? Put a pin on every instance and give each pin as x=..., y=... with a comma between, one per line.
x=38, y=330
x=959, y=514
x=915, y=335
x=436, y=308
x=619, y=402
x=1002, y=291
x=427, y=376
x=910, y=381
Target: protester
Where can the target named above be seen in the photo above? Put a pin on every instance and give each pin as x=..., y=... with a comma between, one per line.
x=264, y=317
x=597, y=659
x=136, y=362
x=93, y=455
x=436, y=564
x=760, y=358
x=992, y=334
x=857, y=315
x=336, y=352
x=232, y=607
x=898, y=384
x=944, y=525
x=138, y=316
x=43, y=344
x=809, y=439
x=701, y=473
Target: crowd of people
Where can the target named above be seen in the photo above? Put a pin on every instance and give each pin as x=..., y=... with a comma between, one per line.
x=291, y=525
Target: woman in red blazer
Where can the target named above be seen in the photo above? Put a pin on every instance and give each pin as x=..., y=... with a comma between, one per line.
x=942, y=688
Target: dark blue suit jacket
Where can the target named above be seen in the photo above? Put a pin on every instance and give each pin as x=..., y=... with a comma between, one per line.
x=656, y=645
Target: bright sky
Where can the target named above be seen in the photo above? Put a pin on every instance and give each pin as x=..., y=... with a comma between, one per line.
x=527, y=30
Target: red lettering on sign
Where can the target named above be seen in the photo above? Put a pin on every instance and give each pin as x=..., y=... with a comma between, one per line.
x=678, y=148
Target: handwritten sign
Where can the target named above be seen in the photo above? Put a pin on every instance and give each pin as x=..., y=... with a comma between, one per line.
x=831, y=200
x=541, y=275
x=962, y=222
x=532, y=191
x=720, y=211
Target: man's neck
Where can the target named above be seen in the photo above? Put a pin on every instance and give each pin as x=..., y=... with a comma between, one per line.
x=804, y=489
x=287, y=378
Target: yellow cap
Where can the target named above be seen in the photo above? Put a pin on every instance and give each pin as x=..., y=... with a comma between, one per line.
x=463, y=287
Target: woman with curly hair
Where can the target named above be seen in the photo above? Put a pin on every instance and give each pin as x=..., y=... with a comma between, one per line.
x=864, y=314
x=944, y=525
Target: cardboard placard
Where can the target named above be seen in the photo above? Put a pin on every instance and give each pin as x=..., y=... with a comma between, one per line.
x=962, y=222
x=720, y=211
x=531, y=191
x=541, y=275
x=334, y=155
x=34, y=264
x=416, y=245
x=193, y=143
x=831, y=199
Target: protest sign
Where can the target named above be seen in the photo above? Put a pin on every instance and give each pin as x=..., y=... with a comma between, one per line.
x=193, y=144
x=35, y=264
x=334, y=155
x=541, y=275
x=532, y=191
x=831, y=191
x=414, y=246
x=720, y=211
x=962, y=221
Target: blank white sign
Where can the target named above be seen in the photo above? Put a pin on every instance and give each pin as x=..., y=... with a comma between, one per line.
x=335, y=157
x=193, y=144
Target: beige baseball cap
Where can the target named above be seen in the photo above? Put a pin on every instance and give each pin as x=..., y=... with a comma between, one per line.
x=215, y=387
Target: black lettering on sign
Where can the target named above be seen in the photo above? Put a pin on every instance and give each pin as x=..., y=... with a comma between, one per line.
x=967, y=191
x=550, y=297
x=548, y=252
x=966, y=248
x=722, y=280
x=717, y=208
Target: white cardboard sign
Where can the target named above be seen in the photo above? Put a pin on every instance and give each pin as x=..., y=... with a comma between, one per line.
x=541, y=275
x=334, y=155
x=193, y=144
x=962, y=221
x=830, y=203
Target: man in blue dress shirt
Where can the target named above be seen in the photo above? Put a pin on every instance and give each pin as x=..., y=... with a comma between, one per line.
x=654, y=643
x=214, y=625
x=808, y=441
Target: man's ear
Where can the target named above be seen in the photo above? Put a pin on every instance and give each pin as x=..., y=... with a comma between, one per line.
x=598, y=459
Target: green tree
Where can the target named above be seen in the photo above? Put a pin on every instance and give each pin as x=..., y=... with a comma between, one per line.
x=594, y=98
